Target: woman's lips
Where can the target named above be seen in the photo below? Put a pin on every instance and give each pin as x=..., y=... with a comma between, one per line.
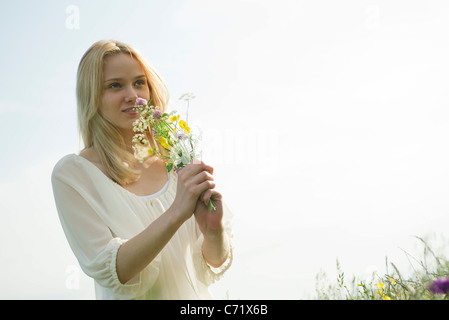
x=130, y=111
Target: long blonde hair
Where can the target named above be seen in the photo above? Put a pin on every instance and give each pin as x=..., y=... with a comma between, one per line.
x=96, y=131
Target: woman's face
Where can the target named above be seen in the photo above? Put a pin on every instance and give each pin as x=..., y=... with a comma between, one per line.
x=124, y=82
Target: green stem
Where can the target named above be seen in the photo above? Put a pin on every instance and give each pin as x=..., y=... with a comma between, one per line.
x=212, y=206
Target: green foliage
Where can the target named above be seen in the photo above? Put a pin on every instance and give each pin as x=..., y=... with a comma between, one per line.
x=393, y=285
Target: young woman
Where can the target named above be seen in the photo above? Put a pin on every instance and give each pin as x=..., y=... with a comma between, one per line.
x=138, y=231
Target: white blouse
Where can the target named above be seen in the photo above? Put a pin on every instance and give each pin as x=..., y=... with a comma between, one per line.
x=160, y=192
x=98, y=215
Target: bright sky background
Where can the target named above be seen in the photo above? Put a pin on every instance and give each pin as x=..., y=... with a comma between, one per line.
x=327, y=123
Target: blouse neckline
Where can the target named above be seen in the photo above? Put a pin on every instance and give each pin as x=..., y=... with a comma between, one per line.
x=156, y=195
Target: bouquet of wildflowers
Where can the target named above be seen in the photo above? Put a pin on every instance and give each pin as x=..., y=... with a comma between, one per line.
x=172, y=133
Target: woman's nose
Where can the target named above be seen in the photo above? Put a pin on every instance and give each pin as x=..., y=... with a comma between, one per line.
x=130, y=94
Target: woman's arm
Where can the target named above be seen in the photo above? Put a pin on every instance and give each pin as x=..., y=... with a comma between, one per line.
x=216, y=249
x=135, y=254
x=139, y=251
x=216, y=244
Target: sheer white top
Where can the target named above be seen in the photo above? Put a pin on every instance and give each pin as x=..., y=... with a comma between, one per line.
x=98, y=215
x=160, y=192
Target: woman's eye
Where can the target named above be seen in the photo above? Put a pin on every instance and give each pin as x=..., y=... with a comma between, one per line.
x=140, y=83
x=114, y=86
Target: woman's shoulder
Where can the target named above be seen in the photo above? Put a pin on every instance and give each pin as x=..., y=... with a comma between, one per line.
x=66, y=160
x=66, y=167
x=70, y=164
x=91, y=155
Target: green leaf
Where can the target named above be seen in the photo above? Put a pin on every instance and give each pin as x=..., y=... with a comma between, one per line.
x=169, y=166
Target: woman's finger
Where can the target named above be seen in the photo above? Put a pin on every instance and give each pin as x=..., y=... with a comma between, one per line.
x=210, y=194
x=196, y=167
x=201, y=177
x=202, y=187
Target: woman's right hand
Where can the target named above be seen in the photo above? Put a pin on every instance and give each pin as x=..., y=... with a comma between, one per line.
x=193, y=179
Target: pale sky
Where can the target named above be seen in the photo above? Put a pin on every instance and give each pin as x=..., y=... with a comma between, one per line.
x=326, y=122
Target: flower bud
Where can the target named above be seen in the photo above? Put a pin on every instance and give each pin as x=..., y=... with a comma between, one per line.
x=141, y=102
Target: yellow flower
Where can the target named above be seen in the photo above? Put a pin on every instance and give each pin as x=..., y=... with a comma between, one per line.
x=164, y=142
x=184, y=126
x=174, y=118
x=150, y=151
x=392, y=281
x=385, y=297
x=380, y=285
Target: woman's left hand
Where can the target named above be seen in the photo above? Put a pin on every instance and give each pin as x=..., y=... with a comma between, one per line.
x=209, y=222
x=216, y=246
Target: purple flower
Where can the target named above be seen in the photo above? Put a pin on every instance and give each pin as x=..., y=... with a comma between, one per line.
x=440, y=286
x=177, y=169
x=181, y=136
x=157, y=113
x=141, y=102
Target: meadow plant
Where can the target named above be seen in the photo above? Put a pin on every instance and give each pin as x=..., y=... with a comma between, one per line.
x=429, y=280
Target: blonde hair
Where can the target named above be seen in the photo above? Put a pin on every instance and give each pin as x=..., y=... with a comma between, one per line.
x=96, y=131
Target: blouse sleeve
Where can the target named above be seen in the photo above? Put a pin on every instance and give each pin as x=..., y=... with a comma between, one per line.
x=90, y=239
x=205, y=272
